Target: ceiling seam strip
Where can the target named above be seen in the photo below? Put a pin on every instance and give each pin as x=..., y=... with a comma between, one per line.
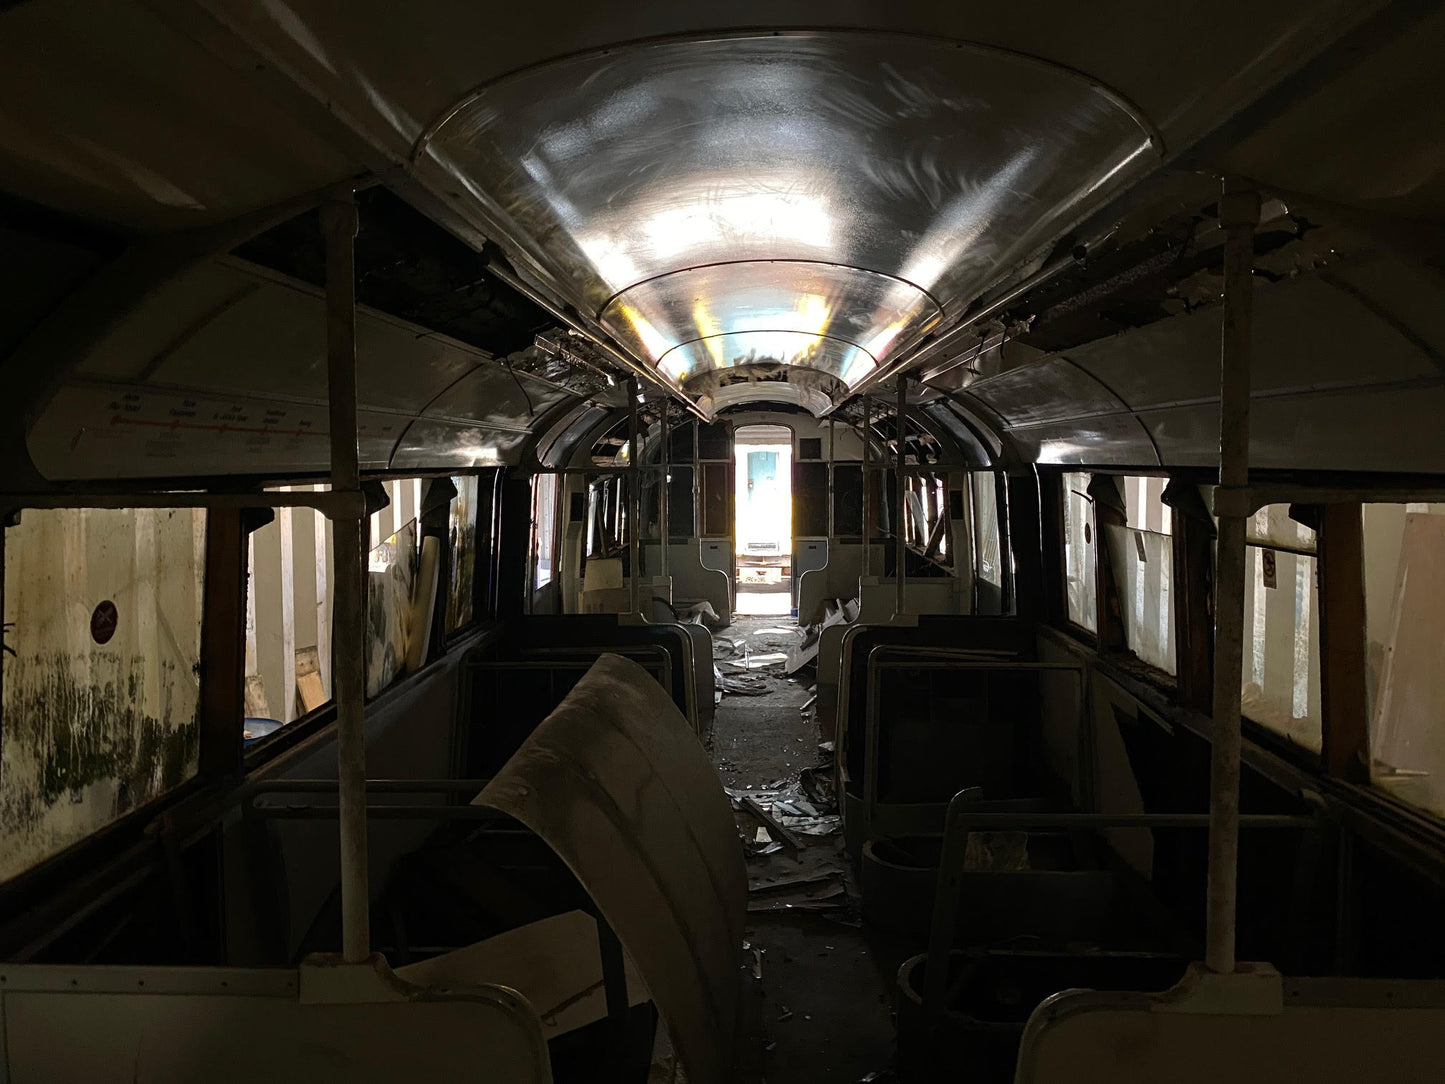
x=1121, y=401
x=421, y=414
x=769, y=331
x=738, y=263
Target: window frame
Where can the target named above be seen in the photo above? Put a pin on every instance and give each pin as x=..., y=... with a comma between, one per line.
x=1080, y=631
x=219, y=745
x=540, y=481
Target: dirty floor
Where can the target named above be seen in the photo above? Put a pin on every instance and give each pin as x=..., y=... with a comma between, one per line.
x=820, y=1011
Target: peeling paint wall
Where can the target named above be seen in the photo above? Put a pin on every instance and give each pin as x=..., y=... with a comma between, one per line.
x=100, y=701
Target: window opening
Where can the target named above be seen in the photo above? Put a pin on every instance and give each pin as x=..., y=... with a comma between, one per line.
x=1404, y=546
x=925, y=524
x=985, y=528
x=462, y=529
x=1142, y=557
x=763, y=518
x=1079, y=580
x=544, y=528
x=288, y=618
x=1281, y=681
x=101, y=672
x=391, y=568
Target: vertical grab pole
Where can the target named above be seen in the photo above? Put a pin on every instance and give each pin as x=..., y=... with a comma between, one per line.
x=832, y=439
x=634, y=503
x=900, y=540
x=339, y=223
x=867, y=487
x=665, y=484
x=1238, y=214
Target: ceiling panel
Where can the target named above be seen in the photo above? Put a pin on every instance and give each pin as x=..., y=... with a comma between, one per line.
x=871, y=312
x=717, y=184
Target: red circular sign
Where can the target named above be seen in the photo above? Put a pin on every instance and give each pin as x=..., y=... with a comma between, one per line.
x=103, y=621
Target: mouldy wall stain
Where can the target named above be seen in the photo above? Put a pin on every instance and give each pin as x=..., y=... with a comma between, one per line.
x=80, y=750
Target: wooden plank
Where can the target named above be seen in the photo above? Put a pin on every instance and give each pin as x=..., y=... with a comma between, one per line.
x=253, y=664
x=309, y=691
x=303, y=584
x=287, y=630
x=1346, y=749
x=321, y=562
x=768, y=821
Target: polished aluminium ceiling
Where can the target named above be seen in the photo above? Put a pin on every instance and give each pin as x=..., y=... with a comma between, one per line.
x=819, y=200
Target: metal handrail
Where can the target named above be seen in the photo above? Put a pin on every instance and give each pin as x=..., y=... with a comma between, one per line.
x=329, y=787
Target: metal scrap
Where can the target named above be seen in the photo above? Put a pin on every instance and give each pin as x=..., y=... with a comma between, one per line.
x=830, y=612
x=773, y=826
x=804, y=806
x=760, y=662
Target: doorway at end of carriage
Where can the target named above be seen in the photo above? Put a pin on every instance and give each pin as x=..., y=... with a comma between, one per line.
x=763, y=519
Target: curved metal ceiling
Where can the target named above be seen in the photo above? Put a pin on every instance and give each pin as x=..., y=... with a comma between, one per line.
x=818, y=200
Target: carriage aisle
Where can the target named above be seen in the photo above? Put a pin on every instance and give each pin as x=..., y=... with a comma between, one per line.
x=817, y=1001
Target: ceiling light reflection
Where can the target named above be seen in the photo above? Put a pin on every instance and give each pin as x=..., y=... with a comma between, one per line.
x=654, y=343
x=714, y=215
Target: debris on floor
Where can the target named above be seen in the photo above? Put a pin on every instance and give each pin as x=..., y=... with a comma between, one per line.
x=799, y=807
x=698, y=613
x=793, y=816
x=817, y=783
x=760, y=662
x=740, y=684
x=771, y=825
x=765, y=746
x=832, y=611
x=823, y=895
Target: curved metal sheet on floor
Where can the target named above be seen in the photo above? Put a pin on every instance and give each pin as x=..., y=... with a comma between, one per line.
x=616, y=783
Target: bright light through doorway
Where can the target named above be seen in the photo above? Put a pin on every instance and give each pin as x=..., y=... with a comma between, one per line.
x=763, y=524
